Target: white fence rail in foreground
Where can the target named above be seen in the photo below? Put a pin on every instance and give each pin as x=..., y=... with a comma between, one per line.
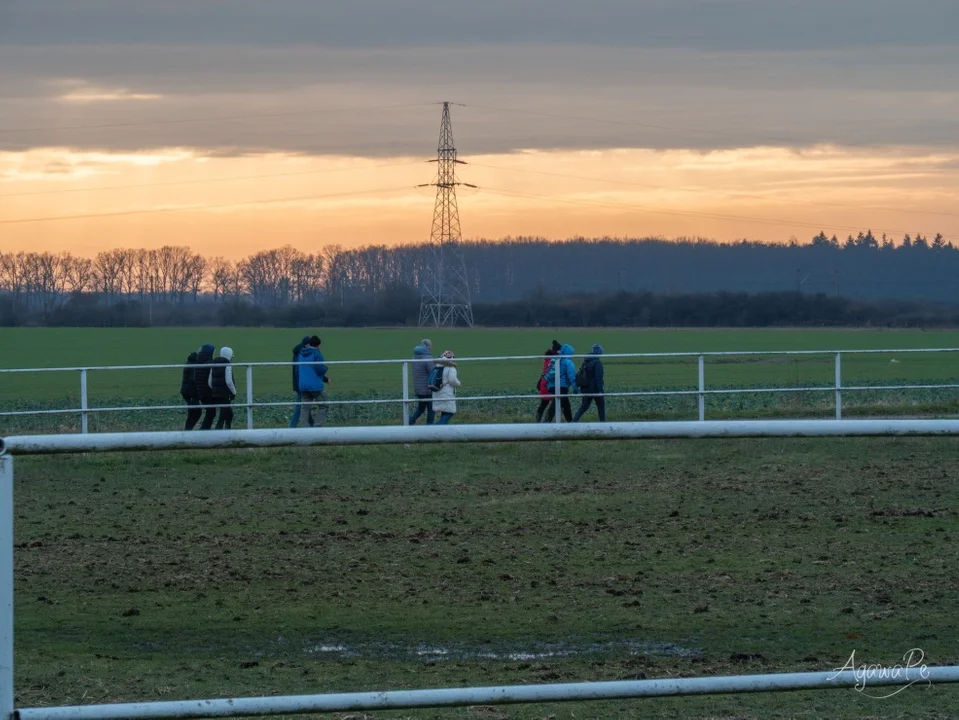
x=333, y=702
x=405, y=399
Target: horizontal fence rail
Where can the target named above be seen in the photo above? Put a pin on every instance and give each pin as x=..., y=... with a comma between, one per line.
x=509, y=694
x=507, y=432
x=404, y=400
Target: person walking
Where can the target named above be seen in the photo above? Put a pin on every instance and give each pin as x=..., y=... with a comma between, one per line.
x=222, y=388
x=541, y=386
x=422, y=363
x=201, y=384
x=567, y=378
x=590, y=381
x=295, y=420
x=444, y=399
x=312, y=383
x=189, y=394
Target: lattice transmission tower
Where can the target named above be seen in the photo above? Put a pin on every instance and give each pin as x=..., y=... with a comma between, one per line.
x=445, y=299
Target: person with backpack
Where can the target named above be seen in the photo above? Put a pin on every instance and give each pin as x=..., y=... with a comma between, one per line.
x=201, y=384
x=222, y=389
x=541, y=386
x=567, y=380
x=443, y=384
x=422, y=363
x=189, y=394
x=312, y=382
x=295, y=420
x=589, y=379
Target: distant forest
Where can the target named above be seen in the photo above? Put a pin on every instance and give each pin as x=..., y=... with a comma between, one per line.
x=862, y=280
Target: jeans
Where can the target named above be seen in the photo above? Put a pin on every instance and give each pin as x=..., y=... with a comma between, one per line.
x=584, y=406
x=564, y=406
x=295, y=420
x=445, y=418
x=309, y=399
x=425, y=404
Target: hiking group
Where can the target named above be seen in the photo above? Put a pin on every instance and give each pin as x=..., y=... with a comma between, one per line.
x=435, y=382
x=208, y=385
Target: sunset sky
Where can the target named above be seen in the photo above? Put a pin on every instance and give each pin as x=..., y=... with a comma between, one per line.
x=237, y=125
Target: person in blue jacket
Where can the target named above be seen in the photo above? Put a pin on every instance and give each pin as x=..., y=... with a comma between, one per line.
x=312, y=381
x=295, y=420
x=594, y=387
x=567, y=379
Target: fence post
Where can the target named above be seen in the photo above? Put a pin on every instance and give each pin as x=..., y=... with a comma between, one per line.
x=249, y=397
x=838, y=388
x=6, y=587
x=556, y=391
x=406, y=393
x=702, y=389
x=84, y=405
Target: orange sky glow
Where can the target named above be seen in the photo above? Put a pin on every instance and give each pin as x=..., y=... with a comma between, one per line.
x=233, y=206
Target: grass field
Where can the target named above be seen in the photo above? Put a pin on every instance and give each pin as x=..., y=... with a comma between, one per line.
x=36, y=347
x=166, y=576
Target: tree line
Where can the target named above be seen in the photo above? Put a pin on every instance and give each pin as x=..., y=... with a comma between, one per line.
x=377, y=284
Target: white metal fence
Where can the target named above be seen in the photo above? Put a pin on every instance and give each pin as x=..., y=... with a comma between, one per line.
x=404, y=399
x=445, y=697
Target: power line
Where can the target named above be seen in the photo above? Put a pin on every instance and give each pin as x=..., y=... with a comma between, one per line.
x=718, y=192
x=191, y=208
x=708, y=216
x=211, y=180
x=172, y=121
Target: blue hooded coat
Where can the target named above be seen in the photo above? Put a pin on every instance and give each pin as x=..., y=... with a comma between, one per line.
x=312, y=376
x=567, y=370
x=421, y=370
x=296, y=368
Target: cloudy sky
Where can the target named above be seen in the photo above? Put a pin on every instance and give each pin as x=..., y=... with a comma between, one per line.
x=233, y=125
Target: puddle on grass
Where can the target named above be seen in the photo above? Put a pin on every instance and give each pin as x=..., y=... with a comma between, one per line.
x=537, y=651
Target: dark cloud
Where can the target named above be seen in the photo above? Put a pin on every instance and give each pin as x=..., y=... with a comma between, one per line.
x=704, y=24
x=360, y=76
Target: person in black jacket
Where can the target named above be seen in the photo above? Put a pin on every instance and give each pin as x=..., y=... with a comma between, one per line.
x=222, y=389
x=594, y=387
x=201, y=383
x=189, y=394
x=295, y=420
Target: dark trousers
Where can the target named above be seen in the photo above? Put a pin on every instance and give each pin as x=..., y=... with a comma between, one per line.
x=563, y=405
x=194, y=411
x=206, y=401
x=226, y=418
x=584, y=406
x=425, y=404
x=543, y=404
x=225, y=421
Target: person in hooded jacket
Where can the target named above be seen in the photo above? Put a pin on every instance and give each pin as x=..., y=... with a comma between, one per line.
x=444, y=399
x=222, y=388
x=541, y=386
x=295, y=420
x=188, y=393
x=201, y=384
x=312, y=382
x=594, y=387
x=567, y=379
x=422, y=364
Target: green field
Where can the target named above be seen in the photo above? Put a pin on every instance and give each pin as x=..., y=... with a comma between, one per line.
x=163, y=576
x=43, y=347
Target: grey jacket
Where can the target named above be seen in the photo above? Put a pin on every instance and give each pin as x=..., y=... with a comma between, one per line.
x=421, y=370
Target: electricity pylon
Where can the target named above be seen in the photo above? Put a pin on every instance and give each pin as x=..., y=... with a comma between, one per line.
x=445, y=299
